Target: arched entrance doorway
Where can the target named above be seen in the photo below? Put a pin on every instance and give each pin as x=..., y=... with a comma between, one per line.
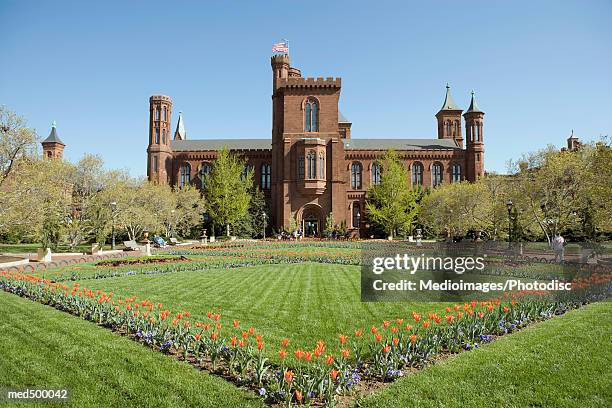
x=310, y=218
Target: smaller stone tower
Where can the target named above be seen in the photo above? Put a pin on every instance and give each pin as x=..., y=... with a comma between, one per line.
x=573, y=143
x=159, y=166
x=474, y=122
x=52, y=146
x=449, y=119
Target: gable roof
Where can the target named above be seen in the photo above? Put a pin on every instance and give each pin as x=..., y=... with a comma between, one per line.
x=399, y=144
x=218, y=144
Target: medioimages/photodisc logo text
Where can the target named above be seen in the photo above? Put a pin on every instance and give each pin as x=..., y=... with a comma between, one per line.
x=412, y=264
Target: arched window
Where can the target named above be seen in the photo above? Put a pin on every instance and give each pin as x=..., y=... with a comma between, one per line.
x=157, y=113
x=375, y=174
x=456, y=170
x=266, y=176
x=436, y=174
x=205, y=169
x=356, y=215
x=312, y=165
x=321, y=165
x=164, y=136
x=185, y=174
x=156, y=136
x=248, y=168
x=301, y=165
x=155, y=164
x=165, y=113
x=417, y=174
x=311, y=115
x=356, y=176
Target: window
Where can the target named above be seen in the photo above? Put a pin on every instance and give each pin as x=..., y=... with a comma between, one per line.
x=157, y=136
x=321, y=165
x=356, y=215
x=356, y=176
x=157, y=113
x=417, y=174
x=266, y=176
x=165, y=113
x=375, y=174
x=185, y=174
x=311, y=115
x=312, y=165
x=247, y=169
x=205, y=169
x=456, y=169
x=436, y=174
x=301, y=165
x=164, y=136
x=155, y=164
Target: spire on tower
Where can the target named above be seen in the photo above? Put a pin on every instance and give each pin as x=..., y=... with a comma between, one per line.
x=180, y=133
x=449, y=103
x=473, y=106
x=53, y=137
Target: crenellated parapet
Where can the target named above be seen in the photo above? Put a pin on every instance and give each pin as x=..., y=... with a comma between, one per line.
x=295, y=82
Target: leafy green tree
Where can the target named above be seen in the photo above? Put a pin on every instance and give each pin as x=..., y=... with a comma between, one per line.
x=252, y=224
x=16, y=142
x=549, y=189
x=392, y=203
x=227, y=190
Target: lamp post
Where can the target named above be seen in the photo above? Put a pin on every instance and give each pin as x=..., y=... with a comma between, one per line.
x=509, y=205
x=263, y=214
x=113, y=213
x=358, y=224
x=171, y=222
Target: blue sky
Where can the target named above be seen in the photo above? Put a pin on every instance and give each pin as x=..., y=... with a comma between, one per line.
x=539, y=68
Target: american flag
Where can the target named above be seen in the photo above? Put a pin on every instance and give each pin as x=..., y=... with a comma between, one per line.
x=280, y=47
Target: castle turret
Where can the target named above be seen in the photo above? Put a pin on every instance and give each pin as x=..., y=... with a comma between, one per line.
x=280, y=68
x=474, y=125
x=449, y=119
x=52, y=146
x=159, y=151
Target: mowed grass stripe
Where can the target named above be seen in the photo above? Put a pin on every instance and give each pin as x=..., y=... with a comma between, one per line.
x=562, y=362
x=43, y=347
x=303, y=302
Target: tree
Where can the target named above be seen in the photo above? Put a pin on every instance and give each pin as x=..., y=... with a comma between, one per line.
x=392, y=203
x=227, y=189
x=597, y=159
x=252, y=224
x=16, y=142
x=85, y=218
x=181, y=209
x=458, y=208
x=35, y=200
x=549, y=189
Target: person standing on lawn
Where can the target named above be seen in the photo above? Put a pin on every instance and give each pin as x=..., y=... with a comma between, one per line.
x=558, y=245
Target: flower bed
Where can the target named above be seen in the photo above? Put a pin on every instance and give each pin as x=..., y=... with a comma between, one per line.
x=142, y=261
x=319, y=374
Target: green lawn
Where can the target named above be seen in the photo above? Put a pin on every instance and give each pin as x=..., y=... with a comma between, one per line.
x=46, y=348
x=563, y=362
x=304, y=302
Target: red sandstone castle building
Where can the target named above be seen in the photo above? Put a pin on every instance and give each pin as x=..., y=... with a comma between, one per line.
x=311, y=166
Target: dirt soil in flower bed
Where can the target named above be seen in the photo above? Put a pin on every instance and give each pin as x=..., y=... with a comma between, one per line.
x=143, y=261
x=365, y=387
